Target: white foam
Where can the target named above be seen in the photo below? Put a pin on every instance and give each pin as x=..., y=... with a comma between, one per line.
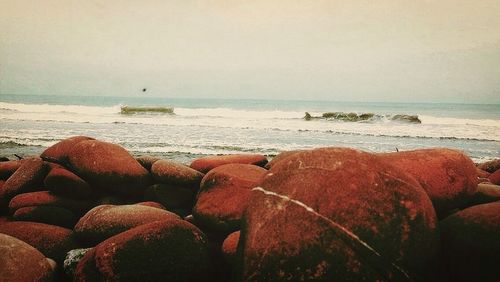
x=48, y=108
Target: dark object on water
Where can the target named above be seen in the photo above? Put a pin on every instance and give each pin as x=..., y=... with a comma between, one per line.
x=354, y=117
x=19, y=157
x=132, y=110
x=408, y=118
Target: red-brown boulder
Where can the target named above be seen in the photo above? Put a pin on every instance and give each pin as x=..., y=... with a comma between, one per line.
x=46, y=214
x=224, y=194
x=105, y=221
x=59, y=152
x=45, y=198
x=168, y=172
x=147, y=161
x=470, y=244
x=170, y=196
x=152, y=204
x=168, y=250
x=495, y=177
x=490, y=166
x=21, y=262
x=52, y=241
x=337, y=214
x=281, y=156
x=205, y=164
x=8, y=168
x=86, y=269
x=448, y=176
x=63, y=182
x=27, y=178
x=108, y=166
x=486, y=193
x=230, y=248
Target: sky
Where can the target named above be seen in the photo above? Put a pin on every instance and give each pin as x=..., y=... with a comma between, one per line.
x=340, y=50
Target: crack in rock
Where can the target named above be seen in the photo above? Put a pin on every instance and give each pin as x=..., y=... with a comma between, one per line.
x=388, y=269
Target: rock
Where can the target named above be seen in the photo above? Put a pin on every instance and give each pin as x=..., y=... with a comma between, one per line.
x=86, y=269
x=168, y=250
x=46, y=214
x=490, y=166
x=73, y=257
x=45, y=198
x=27, y=178
x=105, y=221
x=59, y=152
x=8, y=168
x=229, y=248
x=4, y=159
x=281, y=156
x=470, y=245
x=152, y=204
x=63, y=182
x=147, y=161
x=172, y=197
x=21, y=262
x=482, y=174
x=52, y=241
x=205, y=164
x=337, y=214
x=495, y=177
x=486, y=193
x=224, y=194
x=108, y=166
x=448, y=176
x=406, y=118
x=169, y=172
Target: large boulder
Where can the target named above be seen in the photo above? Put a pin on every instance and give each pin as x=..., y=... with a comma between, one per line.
x=223, y=196
x=337, y=214
x=495, y=177
x=46, y=214
x=28, y=177
x=170, y=196
x=45, y=198
x=169, y=172
x=8, y=168
x=108, y=166
x=448, y=176
x=230, y=248
x=21, y=262
x=168, y=250
x=105, y=221
x=279, y=157
x=63, y=182
x=205, y=164
x=52, y=241
x=490, y=166
x=147, y=161
x=486, y=193
x=59, y=152
x=471, y=245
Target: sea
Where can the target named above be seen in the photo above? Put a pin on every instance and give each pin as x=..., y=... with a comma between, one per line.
x=200, y=127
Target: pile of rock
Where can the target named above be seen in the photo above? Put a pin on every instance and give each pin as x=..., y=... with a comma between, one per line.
x=86, y=210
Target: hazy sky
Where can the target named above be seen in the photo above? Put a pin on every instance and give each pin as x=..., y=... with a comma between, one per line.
x=409, y=51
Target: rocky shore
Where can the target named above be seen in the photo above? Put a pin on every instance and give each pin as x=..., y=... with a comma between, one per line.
x=87, y=210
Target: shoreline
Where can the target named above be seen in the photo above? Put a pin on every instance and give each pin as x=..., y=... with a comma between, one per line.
x=231, y=217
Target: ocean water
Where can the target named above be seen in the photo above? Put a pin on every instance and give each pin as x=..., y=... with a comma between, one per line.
x=198, y=127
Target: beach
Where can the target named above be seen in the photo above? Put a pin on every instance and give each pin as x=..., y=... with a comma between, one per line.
x=88, y=210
